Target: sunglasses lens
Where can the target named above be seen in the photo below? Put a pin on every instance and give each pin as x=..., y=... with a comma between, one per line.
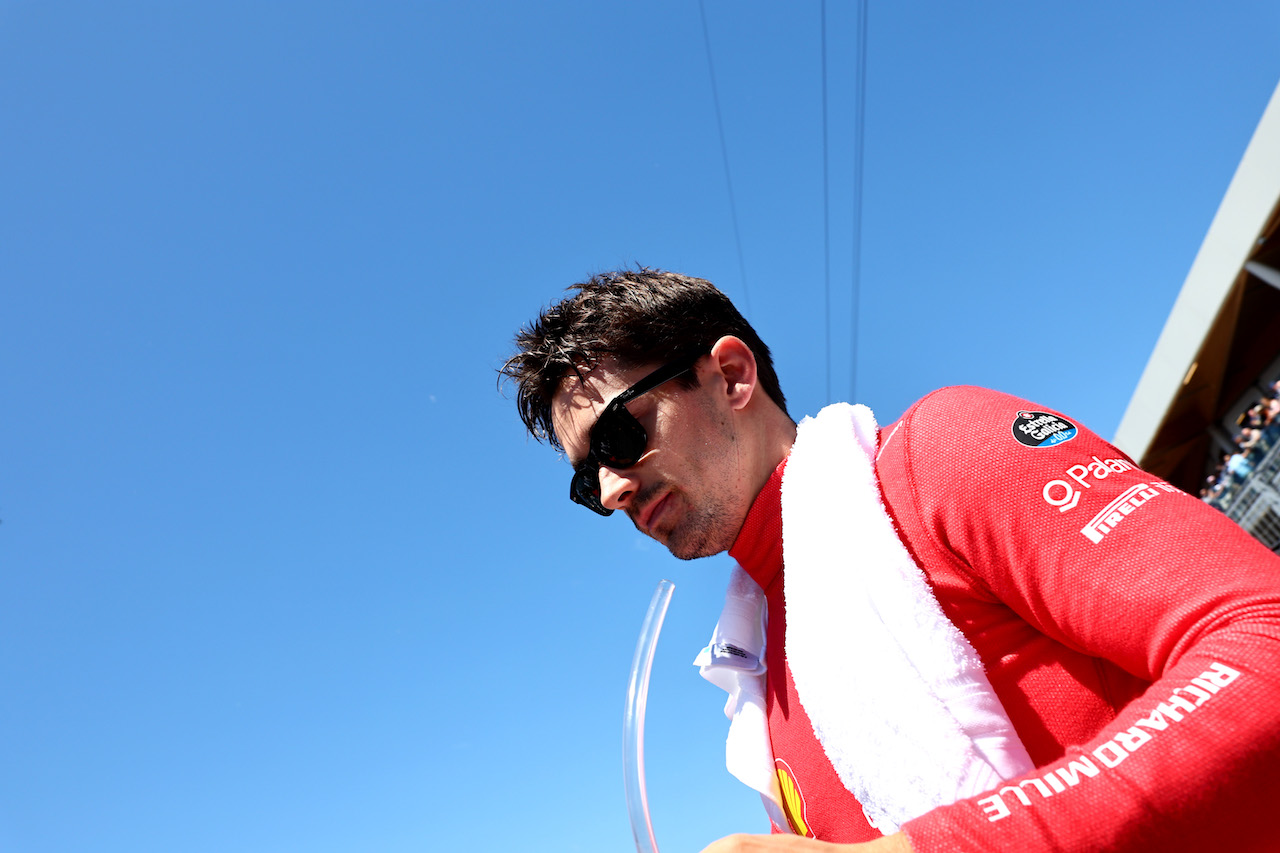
x=618, y=440
x=584, y=489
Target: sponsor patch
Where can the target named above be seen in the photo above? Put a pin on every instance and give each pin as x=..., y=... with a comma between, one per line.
x=1081, y=767
x=1064, y=495
x=793, y=804
x=1120, y=508
x=1042, y=429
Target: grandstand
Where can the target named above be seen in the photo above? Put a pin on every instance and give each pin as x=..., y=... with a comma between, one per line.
x=1201, y=415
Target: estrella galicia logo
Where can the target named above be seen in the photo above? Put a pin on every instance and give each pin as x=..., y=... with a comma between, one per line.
x=1042, y=429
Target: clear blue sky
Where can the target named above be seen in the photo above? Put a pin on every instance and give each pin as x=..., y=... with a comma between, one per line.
x=278, y=570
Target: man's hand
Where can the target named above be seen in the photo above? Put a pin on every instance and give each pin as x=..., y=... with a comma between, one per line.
x=896, y=843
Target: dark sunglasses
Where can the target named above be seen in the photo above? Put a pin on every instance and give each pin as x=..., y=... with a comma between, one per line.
x=617, y=439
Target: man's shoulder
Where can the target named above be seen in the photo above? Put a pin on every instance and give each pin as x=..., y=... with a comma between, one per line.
x=963, y=400
x=963, y=414
x=964, y=430
x=983, y=464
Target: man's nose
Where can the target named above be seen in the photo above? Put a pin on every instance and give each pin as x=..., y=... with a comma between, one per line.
x=617, y=487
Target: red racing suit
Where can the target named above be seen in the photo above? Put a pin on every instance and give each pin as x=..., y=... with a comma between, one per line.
x=1131, y=632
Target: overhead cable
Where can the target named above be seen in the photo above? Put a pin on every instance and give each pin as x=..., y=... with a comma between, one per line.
x=860, y=130
x=724, y=156
x=826, y=206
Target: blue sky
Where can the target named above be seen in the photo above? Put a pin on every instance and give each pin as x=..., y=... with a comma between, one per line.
x=278, y=569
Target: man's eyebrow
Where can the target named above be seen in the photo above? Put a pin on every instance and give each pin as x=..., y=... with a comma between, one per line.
x=580, y=464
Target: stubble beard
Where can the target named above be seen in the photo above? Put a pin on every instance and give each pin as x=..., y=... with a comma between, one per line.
x=709, y=523
x=705, y=528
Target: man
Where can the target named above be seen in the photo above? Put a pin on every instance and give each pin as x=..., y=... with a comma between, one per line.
x=981, y=627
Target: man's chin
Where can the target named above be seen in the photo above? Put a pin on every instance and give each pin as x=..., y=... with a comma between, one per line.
x=695, y=547
x=696, y=532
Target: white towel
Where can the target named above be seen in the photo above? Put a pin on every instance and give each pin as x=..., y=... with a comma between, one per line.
x=896, y=694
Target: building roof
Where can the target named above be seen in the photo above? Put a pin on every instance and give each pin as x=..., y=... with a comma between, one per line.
x=1224, y=330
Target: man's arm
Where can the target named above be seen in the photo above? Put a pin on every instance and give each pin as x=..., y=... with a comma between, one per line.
x=1107, y=561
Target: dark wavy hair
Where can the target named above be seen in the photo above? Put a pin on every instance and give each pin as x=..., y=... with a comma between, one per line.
x=638, y=317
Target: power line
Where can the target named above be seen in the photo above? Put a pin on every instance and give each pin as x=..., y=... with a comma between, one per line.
x=826, y=205
x=724, y=156
x=860, y=129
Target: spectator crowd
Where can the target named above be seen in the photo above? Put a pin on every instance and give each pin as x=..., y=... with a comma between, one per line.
x=1258, y=429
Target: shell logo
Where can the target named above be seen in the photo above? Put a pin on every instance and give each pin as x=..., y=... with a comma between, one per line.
x=792, y=799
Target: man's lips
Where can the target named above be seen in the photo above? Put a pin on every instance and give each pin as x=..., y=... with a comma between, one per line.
x=651, y=513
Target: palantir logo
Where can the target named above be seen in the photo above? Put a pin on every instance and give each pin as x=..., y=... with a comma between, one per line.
x=1065, y=496
x=1042, y=429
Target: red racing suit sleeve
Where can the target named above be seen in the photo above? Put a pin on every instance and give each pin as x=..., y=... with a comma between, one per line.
x=1107, y=560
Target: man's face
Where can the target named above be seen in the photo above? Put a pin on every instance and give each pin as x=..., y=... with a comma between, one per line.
x=689, y=490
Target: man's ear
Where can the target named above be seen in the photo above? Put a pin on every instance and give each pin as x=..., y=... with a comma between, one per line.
x=735, y=369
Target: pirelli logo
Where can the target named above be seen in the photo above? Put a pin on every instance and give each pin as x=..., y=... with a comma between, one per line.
x=1121, y=508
